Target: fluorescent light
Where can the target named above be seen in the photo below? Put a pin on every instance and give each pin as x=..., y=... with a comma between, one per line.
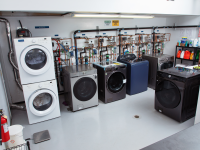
x=96, y=15
x=110, y=16
x=135, y=16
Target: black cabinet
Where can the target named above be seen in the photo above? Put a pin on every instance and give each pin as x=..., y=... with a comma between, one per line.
x=194, y=49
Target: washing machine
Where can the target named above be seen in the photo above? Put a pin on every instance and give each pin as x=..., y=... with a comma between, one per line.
x=157, y=62
x=176, y=93
x=34, y=57
x=137, y=73
x=41, y=101
x=111, y=80
x=80, y=86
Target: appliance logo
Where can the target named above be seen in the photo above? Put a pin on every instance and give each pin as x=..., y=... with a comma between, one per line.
x=41, y=27
x=21, y=40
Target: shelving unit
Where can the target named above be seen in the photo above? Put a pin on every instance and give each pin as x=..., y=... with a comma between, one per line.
x=195, y=49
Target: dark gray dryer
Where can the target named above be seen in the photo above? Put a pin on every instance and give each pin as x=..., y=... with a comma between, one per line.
x=157, y=62
x=176, y=93
x=111, y=81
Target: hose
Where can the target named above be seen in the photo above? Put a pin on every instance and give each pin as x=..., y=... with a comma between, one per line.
x=18, y=83
x=11, y=49
x=64, y=48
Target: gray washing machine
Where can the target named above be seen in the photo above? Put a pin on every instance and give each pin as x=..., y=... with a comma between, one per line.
x=80, y=86
x=157, y=62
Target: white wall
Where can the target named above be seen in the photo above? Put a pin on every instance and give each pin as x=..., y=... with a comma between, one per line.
x=65, y=26
x=3, y=98
x=177, y=34
x=180, y=7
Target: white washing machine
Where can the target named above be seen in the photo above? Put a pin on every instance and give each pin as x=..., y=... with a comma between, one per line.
x=35, y=59
x=42, y=102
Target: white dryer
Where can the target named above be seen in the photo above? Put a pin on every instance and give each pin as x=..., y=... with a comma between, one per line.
x=35, y=59
x=42, y=102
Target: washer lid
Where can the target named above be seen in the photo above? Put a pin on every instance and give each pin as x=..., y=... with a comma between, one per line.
x=42, y=102
x=35, y=59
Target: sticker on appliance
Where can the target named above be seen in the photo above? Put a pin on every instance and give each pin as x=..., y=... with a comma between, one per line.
x=124, y=81
x=115, y=22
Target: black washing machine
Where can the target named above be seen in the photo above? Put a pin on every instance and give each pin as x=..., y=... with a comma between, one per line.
x=157, y=62
x=111, y=80
x=176, y=93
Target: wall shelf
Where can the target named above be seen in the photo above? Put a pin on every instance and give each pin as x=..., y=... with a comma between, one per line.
x=185, y=48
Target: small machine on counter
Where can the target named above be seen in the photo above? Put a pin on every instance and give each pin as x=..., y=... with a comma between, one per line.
x=80, y=86
x=137, y=73
x=157, y=62
x=111, y=80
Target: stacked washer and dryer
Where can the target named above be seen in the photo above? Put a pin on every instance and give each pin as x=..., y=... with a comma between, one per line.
x=37, y=74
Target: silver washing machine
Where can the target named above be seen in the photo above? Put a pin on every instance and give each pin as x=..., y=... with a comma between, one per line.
x=80, y=86
x=157, y=62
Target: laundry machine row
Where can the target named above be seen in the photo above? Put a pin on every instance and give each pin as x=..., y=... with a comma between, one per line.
x=35, y=62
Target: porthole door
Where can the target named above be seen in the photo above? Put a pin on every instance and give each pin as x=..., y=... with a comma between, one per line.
x=84, y=89
x=115, y=82
x=168, y=94
x=35, y=59
x=42, y=102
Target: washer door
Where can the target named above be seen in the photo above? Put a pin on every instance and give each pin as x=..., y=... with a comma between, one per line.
x=168, y=94
x=84, y=89
x=36, y=59
x=42, y=102
x=115, y=82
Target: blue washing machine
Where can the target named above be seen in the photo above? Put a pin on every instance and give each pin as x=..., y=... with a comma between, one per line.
x=137, y=73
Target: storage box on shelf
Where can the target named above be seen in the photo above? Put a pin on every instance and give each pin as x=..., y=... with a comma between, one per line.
x=194, y=49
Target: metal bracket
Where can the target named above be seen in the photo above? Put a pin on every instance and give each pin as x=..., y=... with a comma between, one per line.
x=97, y=27
x=136, y=29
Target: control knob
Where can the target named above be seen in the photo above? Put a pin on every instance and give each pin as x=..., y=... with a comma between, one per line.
x=33, y=41
x=40, y=85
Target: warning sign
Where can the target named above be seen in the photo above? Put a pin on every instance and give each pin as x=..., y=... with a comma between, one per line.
x=115, y=22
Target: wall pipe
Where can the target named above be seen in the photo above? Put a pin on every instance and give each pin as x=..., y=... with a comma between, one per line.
x=119, y=29
x=81, y=54
x=9, y=36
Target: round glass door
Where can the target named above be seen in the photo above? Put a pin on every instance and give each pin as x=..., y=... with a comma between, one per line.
x=168, y=94
x=115, y=82
x=36, y=60
x=42, y=102
x=84, y=89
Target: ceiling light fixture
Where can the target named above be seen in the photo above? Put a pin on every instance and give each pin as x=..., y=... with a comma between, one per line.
x=110, y=16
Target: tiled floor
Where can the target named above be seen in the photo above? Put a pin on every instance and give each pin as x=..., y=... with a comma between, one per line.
x=106, y=127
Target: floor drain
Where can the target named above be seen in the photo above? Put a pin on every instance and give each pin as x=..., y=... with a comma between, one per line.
x=136, y=116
